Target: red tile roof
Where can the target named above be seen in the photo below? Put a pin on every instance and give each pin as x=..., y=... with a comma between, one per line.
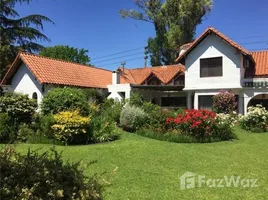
x=261, y=63
x=219, y=34
x=137, y=76
x=52, y=71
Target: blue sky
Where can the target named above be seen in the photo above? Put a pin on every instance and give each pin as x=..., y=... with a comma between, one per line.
x=97, y=26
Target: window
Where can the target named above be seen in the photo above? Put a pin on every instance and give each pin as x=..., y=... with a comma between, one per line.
x=179, y=80
x=210, y=67
x=205, y=102
x=34, y=96
x=173, y=101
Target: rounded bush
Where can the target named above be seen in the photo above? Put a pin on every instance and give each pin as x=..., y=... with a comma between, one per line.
x=255, y=120
x=224, y=102
x=44, y=176
x=19, y=108
x=63, y=99
x=70, y=127
x=132, y=118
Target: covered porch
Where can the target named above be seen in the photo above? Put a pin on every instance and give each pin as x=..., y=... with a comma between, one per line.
x=166, y=96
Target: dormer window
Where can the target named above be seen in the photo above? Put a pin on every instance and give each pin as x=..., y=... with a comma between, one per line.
x=211, y=67
x=153, y=81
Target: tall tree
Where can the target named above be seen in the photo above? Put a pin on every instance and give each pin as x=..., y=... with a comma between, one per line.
x=18, y=34
x=175, y=24
x=66, y=53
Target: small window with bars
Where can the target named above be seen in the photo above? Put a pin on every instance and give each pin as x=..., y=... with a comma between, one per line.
x=210, y=67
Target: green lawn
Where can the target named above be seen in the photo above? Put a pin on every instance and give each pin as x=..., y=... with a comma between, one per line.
x=150, y=169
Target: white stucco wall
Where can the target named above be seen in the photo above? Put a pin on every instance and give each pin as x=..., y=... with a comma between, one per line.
x=24, y=82
x=115, y=90
x=213, y=46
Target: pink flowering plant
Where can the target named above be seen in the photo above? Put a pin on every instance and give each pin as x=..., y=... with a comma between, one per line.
x=224, y=102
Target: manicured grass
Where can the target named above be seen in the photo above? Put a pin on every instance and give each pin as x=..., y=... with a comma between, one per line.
x=150, y=169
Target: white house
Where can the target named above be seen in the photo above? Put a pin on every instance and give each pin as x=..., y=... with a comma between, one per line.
x=36, y=75
x=213, y=62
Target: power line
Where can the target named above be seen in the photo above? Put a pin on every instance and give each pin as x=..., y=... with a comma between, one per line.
x=116, y=53
x=255, y=42
x=119, y=57
x=125, y=60
x=123, y=52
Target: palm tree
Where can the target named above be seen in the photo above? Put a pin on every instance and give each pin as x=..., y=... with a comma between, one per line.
x=18, y=34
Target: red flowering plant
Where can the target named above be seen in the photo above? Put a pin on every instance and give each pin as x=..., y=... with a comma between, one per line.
x=200, y=124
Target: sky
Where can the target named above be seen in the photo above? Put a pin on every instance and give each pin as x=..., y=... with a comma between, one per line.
x=97, y=26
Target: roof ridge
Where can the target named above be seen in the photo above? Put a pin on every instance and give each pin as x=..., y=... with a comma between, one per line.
x=207, y=31
x=259, y=51
x=154, y=67
x=61, y=60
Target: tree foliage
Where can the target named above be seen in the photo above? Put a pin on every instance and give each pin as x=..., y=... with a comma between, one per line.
x=66, y=53
x=18, y=34
x=175, y=24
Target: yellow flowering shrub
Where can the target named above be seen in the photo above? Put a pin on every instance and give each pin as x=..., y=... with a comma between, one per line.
x=68, y=125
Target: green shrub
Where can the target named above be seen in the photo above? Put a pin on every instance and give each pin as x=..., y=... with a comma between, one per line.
x=24, y=133
x=6, y=129
x=170, y=136
x=132, y=118
x=156, y=116
x=64, y=99
x=45, y=124
x=111, y=109
x=19, y=107
x=136, y=99
x=71, y=128
x=257, y=130
x=39, y=138
x=257, y=117
x=103, y=130
x=94, y=95
x=44, y=176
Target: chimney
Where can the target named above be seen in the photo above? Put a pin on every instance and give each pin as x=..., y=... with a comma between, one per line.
x=115, y=77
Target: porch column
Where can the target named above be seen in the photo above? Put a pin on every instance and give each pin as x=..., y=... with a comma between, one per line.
x=241, y=103
x=189, y=100
x=127, y=93
x=195, y=101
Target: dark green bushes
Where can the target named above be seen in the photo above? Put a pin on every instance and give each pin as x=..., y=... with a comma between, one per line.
x=18, y=107
x=6, y=129
x=44, y=176
x=65, y=99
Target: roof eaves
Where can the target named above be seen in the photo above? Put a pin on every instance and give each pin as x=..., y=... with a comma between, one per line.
x=219, y=34
x=3, y=82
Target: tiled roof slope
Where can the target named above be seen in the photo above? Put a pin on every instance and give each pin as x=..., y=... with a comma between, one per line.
x=218, y=33
x=261, y=63
x=52, y=71
x=137, y=76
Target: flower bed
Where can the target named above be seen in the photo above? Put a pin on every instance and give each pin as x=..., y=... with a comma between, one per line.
x=204, y=125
